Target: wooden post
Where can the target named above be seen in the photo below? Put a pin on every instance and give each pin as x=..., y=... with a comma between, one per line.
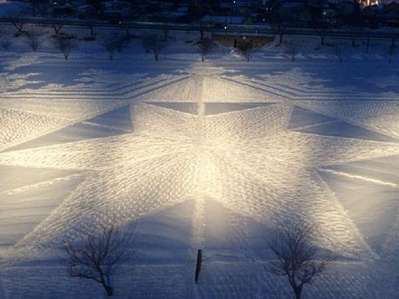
x=198, y=266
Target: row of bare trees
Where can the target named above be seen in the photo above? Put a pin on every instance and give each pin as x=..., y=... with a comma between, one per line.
x=154, y=43
x=112, y=43
x=34, y=37
x=97, y=255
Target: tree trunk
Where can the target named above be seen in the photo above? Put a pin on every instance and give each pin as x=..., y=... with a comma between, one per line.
x=19, y=28
x=156, y=56
x=57, y=29
x=322, y=40
x=298, y=292
x=105, y=282
x=281, y=38
x=202, y=58
x=108, y=289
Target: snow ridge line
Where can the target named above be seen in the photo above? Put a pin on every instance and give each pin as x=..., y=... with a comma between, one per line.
x=293, y=95
x=125, y=92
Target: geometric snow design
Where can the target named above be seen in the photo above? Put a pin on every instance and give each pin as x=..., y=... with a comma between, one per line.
x=368, y=191
x=12, y=177
x=302, y=118
x=178, y=106
x=246, y=164
x=307, y=121
x=117, y=119
x=207, y=88
x=378, y=116
x=111, y=123
x=216, y=108
x=30, y=119
x=25, y=207
x=372, y=208
x=210, y=108
x=215, y=89
x=247, y=161
x=169, y=231
x=61, y=109
x=16, y=126
x=343, y=129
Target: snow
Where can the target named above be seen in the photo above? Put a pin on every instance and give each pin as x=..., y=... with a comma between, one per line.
x=195, y=155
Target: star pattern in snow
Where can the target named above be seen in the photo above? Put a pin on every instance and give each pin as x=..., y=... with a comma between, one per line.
x=248, y=160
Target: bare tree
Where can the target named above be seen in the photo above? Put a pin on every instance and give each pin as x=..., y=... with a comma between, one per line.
x=112, y=43
x=34, y=37
x=65, y=45
x=354, y=45
x=321, y=28
x=281, y=31
x=122, y=41
x=19, y=24
x=292, y=50
x=124, y=27
x=92, y=31
x=97, y=256
x=165, y=34
x=153, y=43
x=205, y=45
x=280, y=27
x=57, y=28
x=201, y=30
x=297, y=257
x=245, y=47
x=110, y=46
